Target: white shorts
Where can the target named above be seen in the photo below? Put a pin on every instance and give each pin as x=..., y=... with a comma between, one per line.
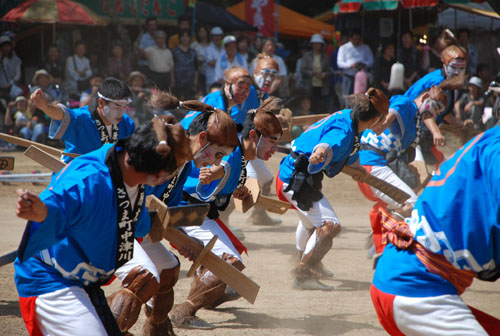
x=257, y=169
x=68, y=311
x=154, y=257
x=435, y=316
x=206, y=231
x=320, y=211
x=386, y=174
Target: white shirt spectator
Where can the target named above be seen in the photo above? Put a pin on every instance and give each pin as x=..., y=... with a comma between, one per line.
x=145, y=42
x=75, y=63
x=212, y=53
x=223, y=63
x=350, y=54
x=160, y=60
x=201, y=54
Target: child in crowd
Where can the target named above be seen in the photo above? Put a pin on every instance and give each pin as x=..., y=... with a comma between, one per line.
x=470, y=105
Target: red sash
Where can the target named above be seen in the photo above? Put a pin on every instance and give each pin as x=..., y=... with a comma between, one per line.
x=236, y=242
x=398, y=233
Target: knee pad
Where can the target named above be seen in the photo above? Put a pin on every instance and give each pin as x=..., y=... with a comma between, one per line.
x=137, y=288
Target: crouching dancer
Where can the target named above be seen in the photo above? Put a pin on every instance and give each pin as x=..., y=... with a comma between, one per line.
x=259, y=138
x=326, y=146
x=154, y=270
x=82, y=228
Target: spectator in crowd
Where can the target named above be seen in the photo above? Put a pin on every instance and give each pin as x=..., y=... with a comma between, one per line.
x=17, y=115
x=146, y=40
x=256, y=46
x=78, y=69
x=242, y=43
x=138, y=108
x=118, y=63
x=471, y=104
x=302, y=108
x=431, y=58
x=268, y=48
x=183, y=23
x=10, y=72
x=160, y=62
x=229, y=58
x=463, y=38
x=336, y=91
x=54, y=65
x=89, y=94
x=298, y=83
x=43, y=80
x=201, y=46
x=353, y=56
x=214, y=52
x=408, y=56
x=483, y=72
x=186, y=67
x=382, y=68
x=315, y=70
x=96, y=66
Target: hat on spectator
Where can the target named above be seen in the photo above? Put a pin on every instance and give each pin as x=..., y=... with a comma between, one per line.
x=21, y=98
x=216, y=31
x=474, y=80
x=135, y=74
x=5, y=39
x=228, y=39
x=317, y=38
x=39, y=73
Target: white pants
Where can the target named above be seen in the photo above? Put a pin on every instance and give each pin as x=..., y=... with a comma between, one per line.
x=257, y=169
x=320, y=212
x=206, y=231
x=435, y=316
x=68, y=311
x=152, y=256
x=386, y=174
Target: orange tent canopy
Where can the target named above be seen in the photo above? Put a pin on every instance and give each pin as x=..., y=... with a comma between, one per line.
x=291, y=23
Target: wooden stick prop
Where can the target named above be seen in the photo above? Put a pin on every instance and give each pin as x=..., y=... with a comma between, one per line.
x=395, y=193
x=299, y=121
x=8, y=258
x=308, y=119
x=44, y=158
x=26, y=143
x=230, y=275
x=255, y=197
x=6, y=163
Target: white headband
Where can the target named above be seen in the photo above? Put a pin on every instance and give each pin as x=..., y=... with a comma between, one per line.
x=127, y=101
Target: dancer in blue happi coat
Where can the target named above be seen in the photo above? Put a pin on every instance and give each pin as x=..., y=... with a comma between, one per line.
x=388, y=150
x=454, y=59
x=215, y=185
x=325, y=147
x=87, y=128
x=452, y=236
x=82, y=228
x=150, y=276
x=231, y=99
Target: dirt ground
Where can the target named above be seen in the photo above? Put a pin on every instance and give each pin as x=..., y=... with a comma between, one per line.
x=278, y=310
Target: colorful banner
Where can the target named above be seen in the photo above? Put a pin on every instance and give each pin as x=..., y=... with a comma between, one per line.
x=260, y=14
